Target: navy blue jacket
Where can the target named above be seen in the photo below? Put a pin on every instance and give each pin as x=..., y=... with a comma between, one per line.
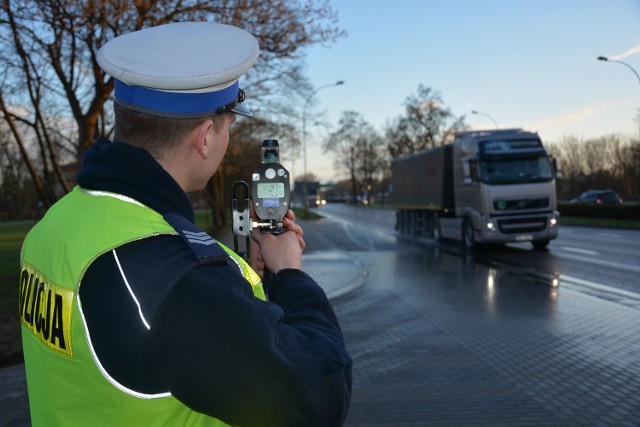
x=211, y=343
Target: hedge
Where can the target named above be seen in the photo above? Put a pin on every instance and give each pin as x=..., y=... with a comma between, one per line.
x=624, y=212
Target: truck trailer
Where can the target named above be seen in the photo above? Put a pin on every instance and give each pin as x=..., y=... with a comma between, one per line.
x=493, y=186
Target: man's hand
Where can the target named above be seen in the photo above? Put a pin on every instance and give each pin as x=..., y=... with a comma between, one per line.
x=290, y=224
x=278, y=252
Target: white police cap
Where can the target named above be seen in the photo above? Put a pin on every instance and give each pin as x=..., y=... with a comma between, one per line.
x=187, y=69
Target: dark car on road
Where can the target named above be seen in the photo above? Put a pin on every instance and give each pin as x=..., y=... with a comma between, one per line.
x=600, y=197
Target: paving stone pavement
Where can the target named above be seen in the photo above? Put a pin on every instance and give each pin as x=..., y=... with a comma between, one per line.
x=14, y=405
x=443, y=352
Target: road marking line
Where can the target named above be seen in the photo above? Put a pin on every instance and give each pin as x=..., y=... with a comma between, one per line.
x=578, y=250
x=616, y=236
x=596, y=261
x=598, y=286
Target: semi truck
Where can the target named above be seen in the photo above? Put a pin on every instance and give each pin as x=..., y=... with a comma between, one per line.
x=490, y=186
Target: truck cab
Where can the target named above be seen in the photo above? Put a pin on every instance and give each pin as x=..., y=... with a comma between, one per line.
x=505, y=187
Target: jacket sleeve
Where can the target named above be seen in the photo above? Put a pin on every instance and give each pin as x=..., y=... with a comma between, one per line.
x=227, y=354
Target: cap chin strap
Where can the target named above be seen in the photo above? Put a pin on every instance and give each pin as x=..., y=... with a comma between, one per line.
x=178, y=104
x=236, y=106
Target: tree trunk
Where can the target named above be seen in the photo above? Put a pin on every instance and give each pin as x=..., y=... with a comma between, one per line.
x=215, y=198
x=87, y=131
x=37, y=182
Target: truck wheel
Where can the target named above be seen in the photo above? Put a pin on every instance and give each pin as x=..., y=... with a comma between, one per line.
x=436, y=229
x=468, y=235
x=540, y=244
x=401, y=222
x=411, y=223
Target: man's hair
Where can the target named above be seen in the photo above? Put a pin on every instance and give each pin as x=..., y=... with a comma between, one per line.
x=158, y=135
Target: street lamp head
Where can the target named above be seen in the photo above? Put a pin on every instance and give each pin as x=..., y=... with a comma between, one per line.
x=604, y=58
x=486, y=115
x=339, y=82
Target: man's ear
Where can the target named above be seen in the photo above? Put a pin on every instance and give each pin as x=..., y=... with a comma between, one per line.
x=203, y=138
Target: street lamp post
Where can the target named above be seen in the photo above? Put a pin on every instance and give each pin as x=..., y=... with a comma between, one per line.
x=604, y=58
x=486, y=115
x=304, y=141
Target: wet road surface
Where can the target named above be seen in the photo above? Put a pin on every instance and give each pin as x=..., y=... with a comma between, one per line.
x=440, y=337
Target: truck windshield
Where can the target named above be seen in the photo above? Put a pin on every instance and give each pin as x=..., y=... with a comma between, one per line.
x=502, y=170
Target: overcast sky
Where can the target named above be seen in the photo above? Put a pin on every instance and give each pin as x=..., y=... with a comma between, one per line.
x=524, y=63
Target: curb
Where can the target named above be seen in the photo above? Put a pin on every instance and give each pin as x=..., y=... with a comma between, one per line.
x=336, y=272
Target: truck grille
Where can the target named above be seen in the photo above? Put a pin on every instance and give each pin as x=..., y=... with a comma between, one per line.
x=511, y=205
x=522, y=225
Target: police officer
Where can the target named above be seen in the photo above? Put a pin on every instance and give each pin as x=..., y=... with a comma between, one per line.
x=131, y=315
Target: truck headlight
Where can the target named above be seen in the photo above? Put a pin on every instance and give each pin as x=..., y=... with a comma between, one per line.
x=490, y=224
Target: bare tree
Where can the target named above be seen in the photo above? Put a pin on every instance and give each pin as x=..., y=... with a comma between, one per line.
x=426, y=123
x=48, y=51
x=357, y=148
x=370, y=159
x=571, y=163
x=626, y=165
x=611, y=161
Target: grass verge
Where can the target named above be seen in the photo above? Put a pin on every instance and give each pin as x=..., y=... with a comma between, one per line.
x=11, y=236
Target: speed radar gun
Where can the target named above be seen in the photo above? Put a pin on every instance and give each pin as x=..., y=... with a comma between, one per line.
x=269, y=194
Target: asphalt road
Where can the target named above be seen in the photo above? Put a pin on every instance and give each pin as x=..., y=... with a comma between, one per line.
x=593, y=258
x=501, y=336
